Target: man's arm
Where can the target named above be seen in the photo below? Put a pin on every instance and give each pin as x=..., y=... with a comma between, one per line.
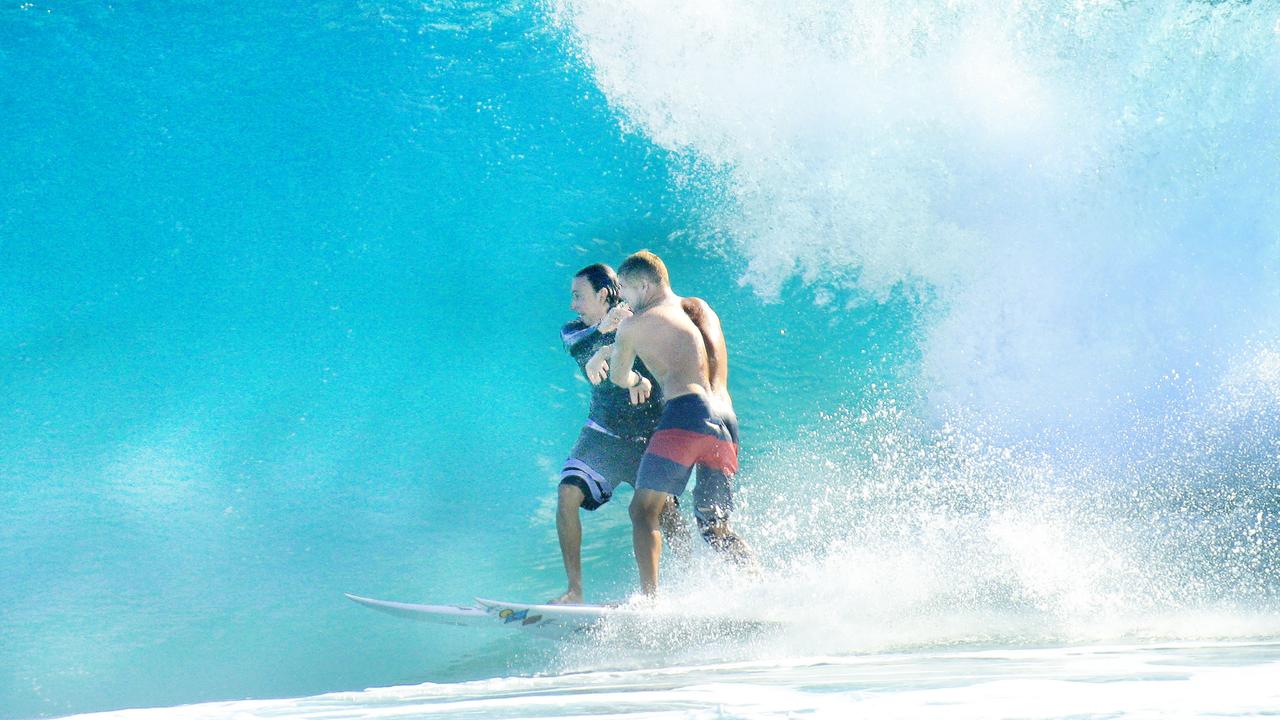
x=708, y=324
x=624, y=356
x=598, y=364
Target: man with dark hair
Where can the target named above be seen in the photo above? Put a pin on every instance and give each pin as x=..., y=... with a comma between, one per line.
x=681, y=342
x=619, y=423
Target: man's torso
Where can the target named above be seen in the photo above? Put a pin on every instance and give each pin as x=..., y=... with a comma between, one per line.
x=671, y=346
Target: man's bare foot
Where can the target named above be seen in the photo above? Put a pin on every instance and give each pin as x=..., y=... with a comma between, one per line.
x=640, y=600
x=571, y=597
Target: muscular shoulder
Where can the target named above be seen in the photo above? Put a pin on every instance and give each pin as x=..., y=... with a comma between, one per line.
x=694, y=307
x=700, y=312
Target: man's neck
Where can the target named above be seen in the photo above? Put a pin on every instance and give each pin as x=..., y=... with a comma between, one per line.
x=655, y=298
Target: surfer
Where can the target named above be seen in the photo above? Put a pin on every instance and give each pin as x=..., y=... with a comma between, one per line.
x=682, y=344
x=610, y=445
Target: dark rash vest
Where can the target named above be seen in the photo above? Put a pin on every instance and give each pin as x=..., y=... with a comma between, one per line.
x=611, y=406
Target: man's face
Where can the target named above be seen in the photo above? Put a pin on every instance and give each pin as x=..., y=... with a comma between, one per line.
x=631, y=289
x=587, y=302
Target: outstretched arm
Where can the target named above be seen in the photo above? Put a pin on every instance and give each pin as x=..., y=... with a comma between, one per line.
x=624, y=356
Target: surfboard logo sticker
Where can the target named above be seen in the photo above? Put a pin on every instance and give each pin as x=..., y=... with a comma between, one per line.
x=509, y=616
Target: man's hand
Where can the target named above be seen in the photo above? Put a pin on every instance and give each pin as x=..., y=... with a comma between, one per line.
x=640, y=391
x=598, y=366
x=613, y=318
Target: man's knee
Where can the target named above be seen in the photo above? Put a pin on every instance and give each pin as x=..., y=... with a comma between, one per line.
x=646, y=506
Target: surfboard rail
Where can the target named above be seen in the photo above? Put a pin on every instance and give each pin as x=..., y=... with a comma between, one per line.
x=562, y=620
x=493, y=614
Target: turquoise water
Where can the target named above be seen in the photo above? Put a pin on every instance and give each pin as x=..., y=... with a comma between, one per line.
x=280, y=290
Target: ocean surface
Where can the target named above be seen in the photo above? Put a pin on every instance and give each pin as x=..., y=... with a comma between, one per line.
x=280, y=292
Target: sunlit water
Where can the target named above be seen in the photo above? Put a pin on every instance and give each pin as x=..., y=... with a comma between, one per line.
x=1101, y=681
x=279, y=297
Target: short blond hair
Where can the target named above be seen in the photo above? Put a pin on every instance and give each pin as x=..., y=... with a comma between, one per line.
x=647, y=265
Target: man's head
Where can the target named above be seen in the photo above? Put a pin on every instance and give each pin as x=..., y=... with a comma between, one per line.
x=594, y=291
x=640, y=276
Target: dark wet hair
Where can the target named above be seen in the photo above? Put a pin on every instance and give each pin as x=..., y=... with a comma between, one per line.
x=600, y=276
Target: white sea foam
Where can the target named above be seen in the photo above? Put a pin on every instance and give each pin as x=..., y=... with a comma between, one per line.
x=1086, y=190
x=882, y=535
x=1081, y=196
x=1171, y=680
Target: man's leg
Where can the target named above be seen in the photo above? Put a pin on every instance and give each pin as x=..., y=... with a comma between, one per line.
x=713, y=501
x=675, y=531
x=725, y=541
x=569, y=528
x=646, y=536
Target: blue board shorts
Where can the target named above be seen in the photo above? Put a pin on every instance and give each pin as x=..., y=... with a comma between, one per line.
x=599, y=462
x=690, y=434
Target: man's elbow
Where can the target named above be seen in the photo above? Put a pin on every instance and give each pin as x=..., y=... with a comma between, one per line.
x=619, y=378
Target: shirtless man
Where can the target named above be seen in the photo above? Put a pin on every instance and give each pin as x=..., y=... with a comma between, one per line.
x=681, y=343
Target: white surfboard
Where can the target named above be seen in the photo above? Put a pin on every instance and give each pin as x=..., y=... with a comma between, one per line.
x=564, y=620
x=568, y=615
x=627, y=617
x=464, y=615
x=545, y=619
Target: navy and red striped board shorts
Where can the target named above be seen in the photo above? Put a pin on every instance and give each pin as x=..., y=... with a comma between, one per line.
x=691, y=435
